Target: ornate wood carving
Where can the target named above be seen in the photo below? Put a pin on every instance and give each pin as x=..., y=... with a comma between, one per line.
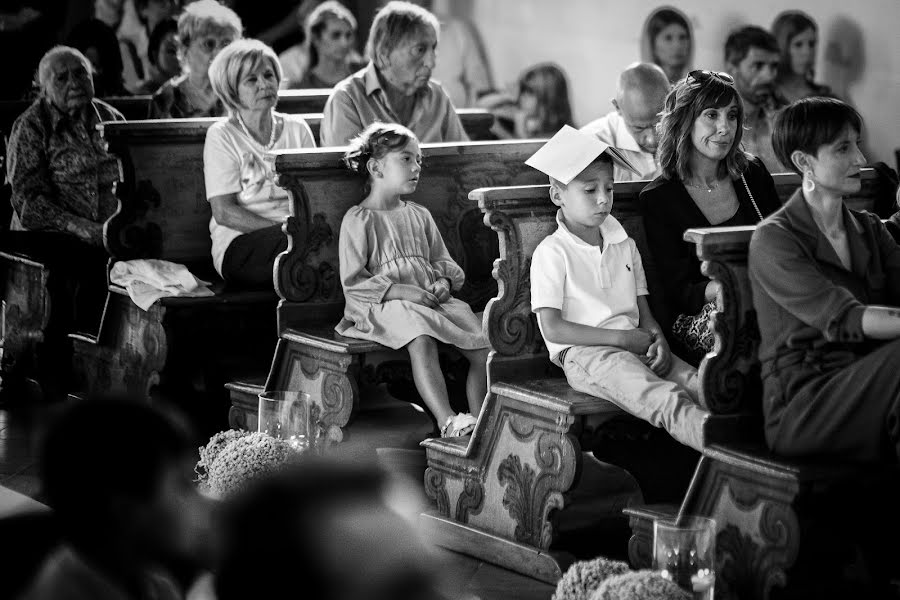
x=470, y=501
x=729, y=375
x=330, y=378
x=436, y=489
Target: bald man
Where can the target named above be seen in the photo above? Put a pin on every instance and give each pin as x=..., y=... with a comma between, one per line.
x=631, y=127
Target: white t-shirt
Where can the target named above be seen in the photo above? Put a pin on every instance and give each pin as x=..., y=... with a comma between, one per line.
x=588, y=285
x=610, y=129
x=236, y=164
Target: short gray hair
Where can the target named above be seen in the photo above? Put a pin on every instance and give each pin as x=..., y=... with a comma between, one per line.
x=235, y=59
x=394, y=23
x=43, y=71
x=204, y=15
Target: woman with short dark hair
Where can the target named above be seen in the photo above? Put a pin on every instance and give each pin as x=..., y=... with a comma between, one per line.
x=826, y=284
x=707, y=180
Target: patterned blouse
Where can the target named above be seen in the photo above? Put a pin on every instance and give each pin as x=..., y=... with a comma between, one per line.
x=171, y=102
x=60, y=172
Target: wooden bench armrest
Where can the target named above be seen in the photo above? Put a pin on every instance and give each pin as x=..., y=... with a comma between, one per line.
x=22, y=258
x=729, y=374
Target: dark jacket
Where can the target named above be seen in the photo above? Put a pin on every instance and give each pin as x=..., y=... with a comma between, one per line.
x=669, y=210
x=806, y=301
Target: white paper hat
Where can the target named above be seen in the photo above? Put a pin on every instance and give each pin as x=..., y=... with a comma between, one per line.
x=570, y=151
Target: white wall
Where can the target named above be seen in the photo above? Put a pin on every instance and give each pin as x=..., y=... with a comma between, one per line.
x=594, y=39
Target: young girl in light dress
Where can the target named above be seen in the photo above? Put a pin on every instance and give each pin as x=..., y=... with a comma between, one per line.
x=397, y=274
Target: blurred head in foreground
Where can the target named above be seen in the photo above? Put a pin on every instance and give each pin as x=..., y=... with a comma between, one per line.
x=324, y=530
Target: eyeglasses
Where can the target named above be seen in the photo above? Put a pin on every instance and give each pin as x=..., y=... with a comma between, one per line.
x=702, y=76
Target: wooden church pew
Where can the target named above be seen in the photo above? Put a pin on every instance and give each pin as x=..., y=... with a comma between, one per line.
x=506, y=493
x=310, y=356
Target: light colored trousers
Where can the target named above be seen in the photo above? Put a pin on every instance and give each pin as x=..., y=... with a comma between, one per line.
x=623, y=378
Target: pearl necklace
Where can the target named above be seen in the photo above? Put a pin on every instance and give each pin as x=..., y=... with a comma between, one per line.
x=271, y=143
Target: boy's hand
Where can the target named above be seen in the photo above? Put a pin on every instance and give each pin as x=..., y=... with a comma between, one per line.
x=659, y=356
x=440, y=289
x=412, y=293
x=636, y=341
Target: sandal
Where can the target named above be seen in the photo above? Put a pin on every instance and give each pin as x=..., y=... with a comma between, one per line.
x=458, y=425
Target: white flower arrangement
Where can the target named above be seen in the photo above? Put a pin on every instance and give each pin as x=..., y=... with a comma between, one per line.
x=234, y=458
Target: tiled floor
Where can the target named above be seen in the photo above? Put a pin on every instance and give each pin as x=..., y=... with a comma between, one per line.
x=386, y=431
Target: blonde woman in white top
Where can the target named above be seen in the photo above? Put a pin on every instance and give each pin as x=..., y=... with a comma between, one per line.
x=247, y=207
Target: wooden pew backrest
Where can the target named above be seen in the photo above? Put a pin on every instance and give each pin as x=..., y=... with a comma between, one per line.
x=323, y=190
x=297, y=102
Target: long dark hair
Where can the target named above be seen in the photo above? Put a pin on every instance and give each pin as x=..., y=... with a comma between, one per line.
x=316, y=21
x=785, y=28
x=687, y=100
x=547, y=82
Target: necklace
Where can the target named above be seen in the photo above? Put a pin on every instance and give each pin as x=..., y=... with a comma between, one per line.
x=707, y=189
x=271, y=143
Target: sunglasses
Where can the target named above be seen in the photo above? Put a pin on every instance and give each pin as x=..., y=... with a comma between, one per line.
x=702, y=76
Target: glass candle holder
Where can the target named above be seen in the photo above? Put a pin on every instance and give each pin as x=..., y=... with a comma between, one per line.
x=685, y=552
x=289, y=416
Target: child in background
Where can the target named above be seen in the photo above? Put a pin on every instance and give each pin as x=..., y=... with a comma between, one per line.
x=540, y=108
x=397, y=274
x=590, y=294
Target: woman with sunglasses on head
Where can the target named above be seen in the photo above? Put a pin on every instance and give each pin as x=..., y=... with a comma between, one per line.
x=826, y=287
x=707, y=181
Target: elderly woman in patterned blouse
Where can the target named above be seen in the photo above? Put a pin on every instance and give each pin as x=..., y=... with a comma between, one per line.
x=62, y=193
x=60, y=172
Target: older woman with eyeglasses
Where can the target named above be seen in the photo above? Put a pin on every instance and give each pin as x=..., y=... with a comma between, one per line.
x=204, y=28
x=707, y=180
x=248, y=208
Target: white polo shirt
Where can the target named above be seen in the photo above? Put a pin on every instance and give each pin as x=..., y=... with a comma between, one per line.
x=611, y=129
x=590, y=285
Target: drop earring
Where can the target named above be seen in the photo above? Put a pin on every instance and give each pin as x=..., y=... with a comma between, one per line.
x=808, y=184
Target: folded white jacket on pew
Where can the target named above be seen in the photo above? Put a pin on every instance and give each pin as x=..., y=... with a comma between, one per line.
x=146, y=281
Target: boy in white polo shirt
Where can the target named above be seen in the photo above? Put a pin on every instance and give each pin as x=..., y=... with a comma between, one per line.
x=590, y=294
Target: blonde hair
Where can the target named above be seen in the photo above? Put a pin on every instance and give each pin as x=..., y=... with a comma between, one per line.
x=204, y=15
x=235, y=59
x=395, y=22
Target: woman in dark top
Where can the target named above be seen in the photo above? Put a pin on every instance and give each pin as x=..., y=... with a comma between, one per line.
x=707, y=181
x=826, y=287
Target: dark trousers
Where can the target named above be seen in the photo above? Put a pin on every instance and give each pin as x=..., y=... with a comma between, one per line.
x=851, y=412
x=249, y=261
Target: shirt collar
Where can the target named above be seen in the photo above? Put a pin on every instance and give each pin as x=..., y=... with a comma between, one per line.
x=373, y=83
x=611, y=230
x=624, y=139
x=58, y=117
x=800, y=218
